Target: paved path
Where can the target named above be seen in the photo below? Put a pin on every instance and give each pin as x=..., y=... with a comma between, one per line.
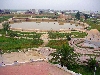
x=44, y=37
x=35, y=68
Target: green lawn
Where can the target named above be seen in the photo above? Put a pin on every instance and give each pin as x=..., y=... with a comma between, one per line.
x=15, y=44
x=93, y=24
x=54, y=35
x=2, y=31
x=79, y=34
x=28, y=34
x=21, y=34
x=56, y=44
x=85, y=71
x=4, y=18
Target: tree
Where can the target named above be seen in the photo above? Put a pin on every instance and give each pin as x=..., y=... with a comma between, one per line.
x=68, y=37
x=64, y=57
x=92, y=63
x=6, y=26
x=41, y=12
x=86, y=16
x=12, y=34
x=77, y=16
x=62, y=12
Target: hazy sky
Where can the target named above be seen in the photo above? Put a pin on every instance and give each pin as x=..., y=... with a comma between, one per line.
x=51, y=4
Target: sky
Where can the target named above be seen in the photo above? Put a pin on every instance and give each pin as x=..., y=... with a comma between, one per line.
x=93, y=5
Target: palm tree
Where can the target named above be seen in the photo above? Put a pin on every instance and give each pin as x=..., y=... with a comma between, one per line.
x=6, y=26
x=68, y=37
x=92, y=63
x=64, y=57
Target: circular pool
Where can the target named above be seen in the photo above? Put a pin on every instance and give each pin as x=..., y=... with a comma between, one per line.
x=45, y=26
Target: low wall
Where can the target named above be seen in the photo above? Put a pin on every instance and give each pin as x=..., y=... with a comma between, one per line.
x=38, y=20
x=16, y=29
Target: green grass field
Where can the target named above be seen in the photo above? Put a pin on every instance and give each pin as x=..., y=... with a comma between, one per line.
x=54, y=35
x=4, y=18
x=94, y=24
x=84, y=70
x=56, y=44
x=15, y=44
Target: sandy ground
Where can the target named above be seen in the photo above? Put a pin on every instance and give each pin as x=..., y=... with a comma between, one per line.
x=9, y=58
x=38, y=53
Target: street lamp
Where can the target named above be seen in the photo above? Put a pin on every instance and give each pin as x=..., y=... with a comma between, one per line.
x=94, y=70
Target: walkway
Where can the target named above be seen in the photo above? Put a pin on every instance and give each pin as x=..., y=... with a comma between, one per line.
x=44, y=37
x=34, y=68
